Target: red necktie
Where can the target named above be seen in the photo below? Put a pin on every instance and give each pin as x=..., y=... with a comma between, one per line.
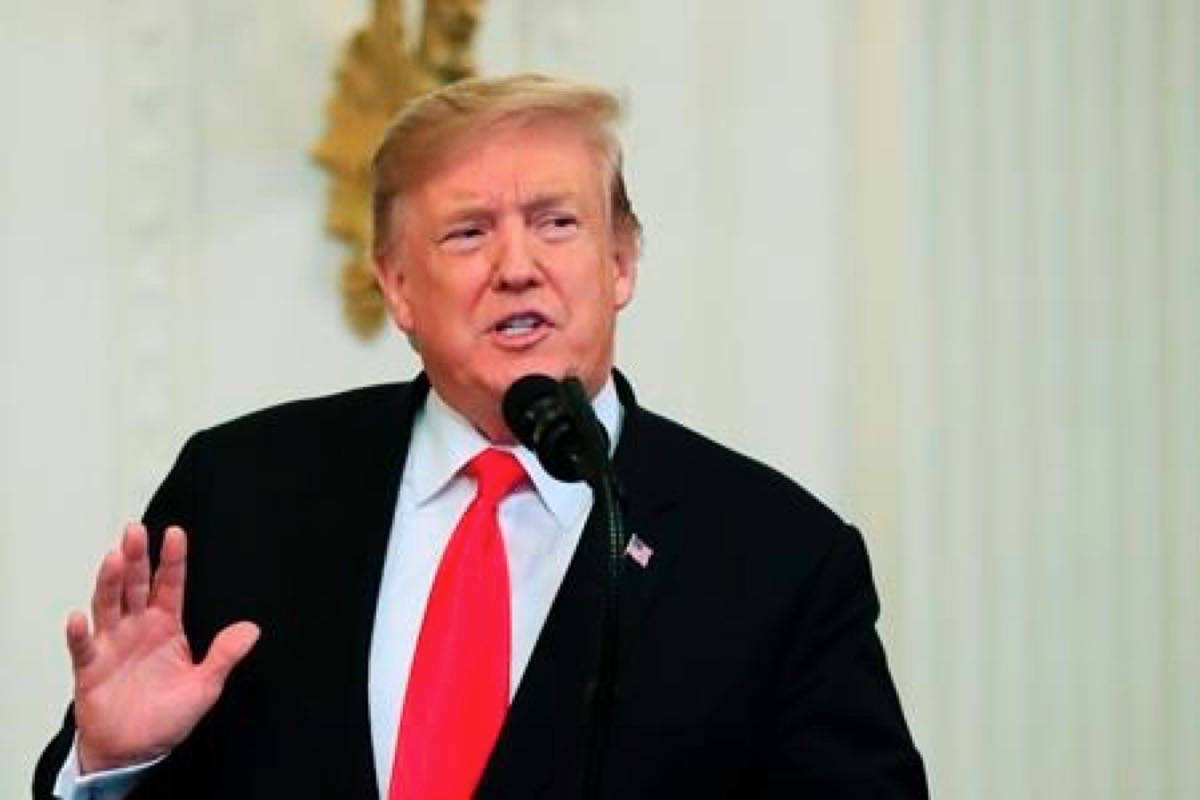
x=458, y=687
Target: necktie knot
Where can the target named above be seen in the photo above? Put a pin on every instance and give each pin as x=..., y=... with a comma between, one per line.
x=496, y=474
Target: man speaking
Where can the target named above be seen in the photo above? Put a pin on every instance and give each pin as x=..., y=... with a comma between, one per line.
x=394, y=599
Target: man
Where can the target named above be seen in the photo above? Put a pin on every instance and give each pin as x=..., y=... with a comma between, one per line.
x=377, y=622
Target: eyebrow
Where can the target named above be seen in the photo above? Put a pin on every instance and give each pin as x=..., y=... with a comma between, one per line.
x=544, y=200
x=467, y=212
x=478, y=209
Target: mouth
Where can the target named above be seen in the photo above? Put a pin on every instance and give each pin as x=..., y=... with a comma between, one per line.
x=521, y=329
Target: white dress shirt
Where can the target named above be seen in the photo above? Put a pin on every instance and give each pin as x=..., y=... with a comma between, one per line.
x=541, y=524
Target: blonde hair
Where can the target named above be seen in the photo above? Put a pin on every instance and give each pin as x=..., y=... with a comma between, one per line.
x=427, y=129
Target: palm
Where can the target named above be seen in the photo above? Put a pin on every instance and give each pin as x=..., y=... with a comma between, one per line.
x=138, y=692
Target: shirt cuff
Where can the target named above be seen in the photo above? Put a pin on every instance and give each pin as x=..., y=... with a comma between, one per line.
x=108, y=784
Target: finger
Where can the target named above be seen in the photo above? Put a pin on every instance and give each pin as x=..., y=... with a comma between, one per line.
x=136, y=588
x=231, y=646
x=79, y=641
x=166, y=592
x=106, y=598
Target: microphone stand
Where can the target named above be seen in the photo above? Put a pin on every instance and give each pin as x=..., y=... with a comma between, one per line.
x=607, y=490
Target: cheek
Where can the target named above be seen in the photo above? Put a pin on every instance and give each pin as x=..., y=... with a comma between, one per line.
x=439, y=287
x=449, y=307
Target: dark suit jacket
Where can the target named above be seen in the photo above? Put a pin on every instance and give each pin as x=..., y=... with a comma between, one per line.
x=749, y=666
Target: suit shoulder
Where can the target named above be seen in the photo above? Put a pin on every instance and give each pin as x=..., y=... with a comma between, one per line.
x=714, y=470
x=315, y=418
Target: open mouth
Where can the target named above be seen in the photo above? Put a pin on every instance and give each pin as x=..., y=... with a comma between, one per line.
x=517, y=325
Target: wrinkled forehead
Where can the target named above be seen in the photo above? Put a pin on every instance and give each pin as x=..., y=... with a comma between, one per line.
x=517, y=157
x=554, y=135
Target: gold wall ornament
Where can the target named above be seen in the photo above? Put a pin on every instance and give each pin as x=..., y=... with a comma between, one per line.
x=377, y=73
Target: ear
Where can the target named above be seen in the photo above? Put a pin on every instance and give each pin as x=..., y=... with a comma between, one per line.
x=625, y=255
x=390, y=276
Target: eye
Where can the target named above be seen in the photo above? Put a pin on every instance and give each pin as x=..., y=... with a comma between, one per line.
x=558, y=226
x=463, y=238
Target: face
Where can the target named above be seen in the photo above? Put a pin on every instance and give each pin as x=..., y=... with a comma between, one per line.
x=505, y=262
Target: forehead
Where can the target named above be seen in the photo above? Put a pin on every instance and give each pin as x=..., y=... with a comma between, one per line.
x=513, y=160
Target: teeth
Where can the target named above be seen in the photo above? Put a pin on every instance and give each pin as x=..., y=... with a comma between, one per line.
x=520, y=323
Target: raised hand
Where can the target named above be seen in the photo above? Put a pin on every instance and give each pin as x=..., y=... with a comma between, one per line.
x=138, y=693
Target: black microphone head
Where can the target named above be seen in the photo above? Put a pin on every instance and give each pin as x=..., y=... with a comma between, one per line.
x=536, y=412
x=524, y=394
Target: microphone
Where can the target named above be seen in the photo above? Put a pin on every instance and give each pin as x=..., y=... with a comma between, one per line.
x=556, y=421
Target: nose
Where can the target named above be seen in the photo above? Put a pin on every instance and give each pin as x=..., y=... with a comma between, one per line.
x=516, y=266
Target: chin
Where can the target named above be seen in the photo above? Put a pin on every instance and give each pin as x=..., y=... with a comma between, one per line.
x=505, y=375
x=536, y=366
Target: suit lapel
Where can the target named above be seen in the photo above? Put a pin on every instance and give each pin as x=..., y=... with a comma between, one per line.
x=654, y=492
x=356, y=511
x=544, y=735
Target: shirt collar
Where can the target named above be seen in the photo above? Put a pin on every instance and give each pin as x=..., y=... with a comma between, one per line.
x=443, y=442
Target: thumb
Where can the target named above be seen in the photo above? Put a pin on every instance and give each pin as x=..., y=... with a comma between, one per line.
x=231, y=646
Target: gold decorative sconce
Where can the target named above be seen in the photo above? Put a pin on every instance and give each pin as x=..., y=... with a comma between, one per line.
x=379, y=70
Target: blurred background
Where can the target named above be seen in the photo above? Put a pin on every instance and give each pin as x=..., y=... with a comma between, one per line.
x=938, y=260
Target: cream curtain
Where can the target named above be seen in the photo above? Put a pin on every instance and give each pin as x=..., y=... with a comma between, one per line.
x=1025, y=213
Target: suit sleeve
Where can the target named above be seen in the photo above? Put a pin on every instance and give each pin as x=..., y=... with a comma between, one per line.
x=839, y=730
x=172, y=504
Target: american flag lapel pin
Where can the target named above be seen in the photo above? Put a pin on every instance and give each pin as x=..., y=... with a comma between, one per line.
x=639, y=551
